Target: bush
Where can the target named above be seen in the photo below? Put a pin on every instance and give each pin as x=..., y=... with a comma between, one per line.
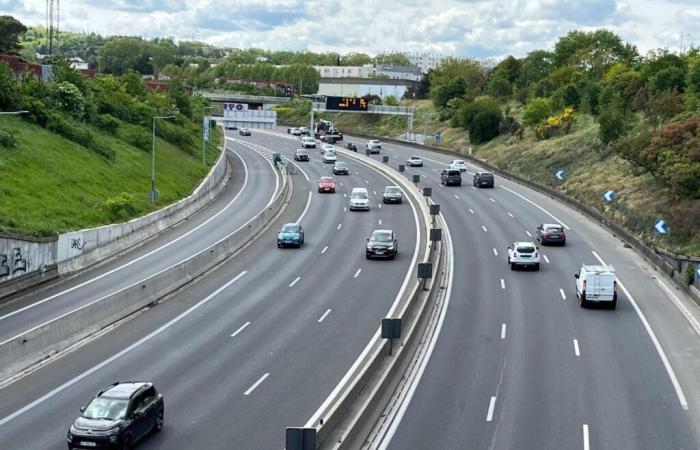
x=122, y=206
x=390, y=100
x=108, y=123
x=536, y=111
x=484, y=126
x=554, y=124
x=689, y=274
x=7, y=138
x=140, y=138
x=669, y=79
x=613, y=124
x=510, y=125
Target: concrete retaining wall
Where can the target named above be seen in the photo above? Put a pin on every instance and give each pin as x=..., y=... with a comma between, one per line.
x=25, y=261
x=34, y=345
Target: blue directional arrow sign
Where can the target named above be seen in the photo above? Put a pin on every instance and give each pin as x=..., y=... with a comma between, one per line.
x=660, y=226
x=560, y=174
x=609, y=196
x=697, y=273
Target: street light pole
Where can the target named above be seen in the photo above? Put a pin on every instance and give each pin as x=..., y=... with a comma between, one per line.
x=153, y=158
x=204, y=162
x=8, y=113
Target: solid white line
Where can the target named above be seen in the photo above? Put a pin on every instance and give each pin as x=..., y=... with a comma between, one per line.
x=563, y=295
x=503, y=283
x=537, y=206
x=357, y=274
x=545, y=259
x=357, y=173
x=435, y=170
x=495, y=252
x=306, y=208
x=654, y=340
x=511, y=215
x=492, y=406
x=503, y=331
x=135, y=260
x=473, y=187
x=256, y=384
x=576, y=350
x=240, y=329
x=324, y=249
x=528, y=233
x=295, y=281
x=492, y=200
x=340, y=225
x=457, y=196
x=324, y=315
x=586, y=440
x=119, y=354
x=471, y=210
x=484, y=228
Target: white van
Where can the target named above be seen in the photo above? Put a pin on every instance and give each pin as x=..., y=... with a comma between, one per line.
x=596, y=284
x=359, y=199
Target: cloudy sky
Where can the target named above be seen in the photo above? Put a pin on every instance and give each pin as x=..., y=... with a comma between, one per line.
x=455, y=27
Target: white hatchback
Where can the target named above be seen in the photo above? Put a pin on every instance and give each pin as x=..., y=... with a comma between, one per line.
x=458, y=164
x=523, y=254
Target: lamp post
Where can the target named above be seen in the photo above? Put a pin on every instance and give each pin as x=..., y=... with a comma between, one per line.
x=204, y=162
x=153, y=159
x=7, y=113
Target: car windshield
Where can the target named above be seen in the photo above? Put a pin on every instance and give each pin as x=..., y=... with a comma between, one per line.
x=381, y=236
x=414, y=157
x=326, y=180
x=486, y=176
x=525, y=249
x=340, y=165
x=330, y=153
x=552, y=227
x=374, y=142
x=290, y=228
x=458, y=162
x=453, y=173
x=392, y=190
x=106, y=408
x=358, y=195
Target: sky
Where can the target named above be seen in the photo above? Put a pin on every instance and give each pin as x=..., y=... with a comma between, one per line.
x=473, y=28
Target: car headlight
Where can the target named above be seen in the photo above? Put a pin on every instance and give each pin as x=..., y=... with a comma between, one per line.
x=70, y=436
x=391, y=247
x=369, y=246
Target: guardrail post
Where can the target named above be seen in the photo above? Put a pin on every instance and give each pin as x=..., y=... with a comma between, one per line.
x=391, y=329
x=299, y=438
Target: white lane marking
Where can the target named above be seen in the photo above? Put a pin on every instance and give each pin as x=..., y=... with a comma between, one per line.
x=146, y=255
x=503, y=283
x=119, y=354
x=341, y=183
x=306, y=208
x=435, y=170
x=379, y=205
x=324, y=315
x=528, y=233
x=473, y=187
x=345, y=195
x=681, y=307
x=484, y=228
x=576, y=350
x=503, y=331
x=586, y=440
x=374, y=192
x=324, y=249
x=492, y=406
x=563, y=295
x=340, y=225
x=379, y=222
x=295, y=281
x=366, y=182
x=537, y=206
x=492, y=199
x=511, y=214
x=457, y=196
x=357, y=274
x=654, y=340
x=256, y=384
x=495, y=252
x=545, y=259
x=240, y=329
x=471, y=211
x=357, y=173
x=345, y=209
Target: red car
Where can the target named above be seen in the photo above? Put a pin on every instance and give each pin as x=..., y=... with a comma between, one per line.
x=326, y=184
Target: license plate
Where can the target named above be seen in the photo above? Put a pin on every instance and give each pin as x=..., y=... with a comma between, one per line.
x=88, y=444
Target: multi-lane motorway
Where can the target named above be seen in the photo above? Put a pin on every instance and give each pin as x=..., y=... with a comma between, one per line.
x=259, y=343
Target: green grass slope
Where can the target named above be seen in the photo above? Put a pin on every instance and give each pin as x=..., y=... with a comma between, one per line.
x=50, y=185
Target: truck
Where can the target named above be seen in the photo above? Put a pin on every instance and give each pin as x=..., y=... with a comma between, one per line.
x=325, y=131
x=596, y=284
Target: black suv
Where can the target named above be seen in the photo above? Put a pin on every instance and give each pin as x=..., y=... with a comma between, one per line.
x=118, y=416
x=483, y=179
x=383, y=243
x=340, y=168
x=450, y=177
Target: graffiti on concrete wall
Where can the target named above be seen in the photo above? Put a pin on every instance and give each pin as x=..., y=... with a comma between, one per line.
x=13, y=264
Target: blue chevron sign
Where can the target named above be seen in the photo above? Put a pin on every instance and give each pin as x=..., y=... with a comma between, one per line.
x=609, y=196
x=660, y=226
x=560, y=174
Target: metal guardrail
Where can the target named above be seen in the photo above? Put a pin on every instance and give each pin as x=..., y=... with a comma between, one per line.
x=232, y=96
x=371, y=109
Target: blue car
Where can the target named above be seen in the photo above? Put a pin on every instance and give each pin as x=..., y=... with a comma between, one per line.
x=291, y=234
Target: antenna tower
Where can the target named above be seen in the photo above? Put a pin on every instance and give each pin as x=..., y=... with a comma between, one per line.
x=52, y=22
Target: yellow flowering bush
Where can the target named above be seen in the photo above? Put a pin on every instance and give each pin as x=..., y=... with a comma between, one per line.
x=554, y=124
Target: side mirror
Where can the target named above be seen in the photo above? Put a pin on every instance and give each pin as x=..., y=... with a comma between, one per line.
x=510, y=248
x=82, y=409
x=367, y=239
x=576, y=276
x=138, y=414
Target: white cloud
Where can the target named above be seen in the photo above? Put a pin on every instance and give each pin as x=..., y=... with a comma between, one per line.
x=465, y=28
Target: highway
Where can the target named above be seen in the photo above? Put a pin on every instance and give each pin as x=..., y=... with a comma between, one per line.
x=518, y=364
x=252, y=347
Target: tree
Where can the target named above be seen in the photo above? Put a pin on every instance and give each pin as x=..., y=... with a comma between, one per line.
x=8, y=87
x=396, y=59
x=390, y=100
x=566, y=95
x=614, y=123
x=121, y=54
x=664, y=106
x=693, y=76
x=500, y=88
x=467, y=69
x=668, y=79
x=10, y=31
x=508, y=68
x=594, y=51
x=355, y=59
x=658, y=60
x=537, y=110
x=536, y=66
x=180, y=97
x=466, y=113
x=452, y=89
x=484, y=126
x=162, y=52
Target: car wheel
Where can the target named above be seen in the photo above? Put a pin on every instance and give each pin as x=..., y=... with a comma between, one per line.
x=582, y=300
x=279, y=245
x=537, y=266
x=392, y=256
x=563, y=243
x=367, y=256
x=512, y=266
x=126, y=444
x=159, y=423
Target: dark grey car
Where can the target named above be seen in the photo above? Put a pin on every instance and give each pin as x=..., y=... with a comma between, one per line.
x=483, y=179
x=451, y=177
x=392, y=194
x=551, y=233
x=382, y=243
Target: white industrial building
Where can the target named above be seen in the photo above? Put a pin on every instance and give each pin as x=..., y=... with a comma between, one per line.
x=359, y=87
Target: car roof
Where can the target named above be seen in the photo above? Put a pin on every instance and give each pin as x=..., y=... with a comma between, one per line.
x=359, y=189
x=382, y=231
x=414, y=157
x=598, y=268
x=327, y=179
x=292, y=224
x=123, y=389
x=392, y=186
x=524, y=243
x=553, y=225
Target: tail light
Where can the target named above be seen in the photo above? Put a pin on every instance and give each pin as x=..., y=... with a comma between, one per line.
x=562, y=233
x=615, y=286
x=584, y=285
x=545, y=234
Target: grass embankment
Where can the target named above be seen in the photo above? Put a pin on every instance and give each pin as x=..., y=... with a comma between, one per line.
x=589, y=172
x=50, y=185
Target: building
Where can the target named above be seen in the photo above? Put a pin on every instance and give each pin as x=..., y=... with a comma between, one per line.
x=78, y=63
x=424, y=61
x=398, y=72
x=39, y=71
x=345, y=71
x=359, y=87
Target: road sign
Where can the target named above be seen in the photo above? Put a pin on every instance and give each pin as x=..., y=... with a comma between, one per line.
x=346, y=103
x=438, y=137
x=298, y=438
x=206, y=128
x=660, y=227
x=560, y=174
x=609, y=196
x=697, y=272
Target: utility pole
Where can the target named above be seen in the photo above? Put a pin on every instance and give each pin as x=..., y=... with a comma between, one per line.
x=52, y=21
x=682, y=36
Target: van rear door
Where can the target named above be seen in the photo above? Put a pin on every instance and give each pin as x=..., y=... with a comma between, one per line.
x=600, y=287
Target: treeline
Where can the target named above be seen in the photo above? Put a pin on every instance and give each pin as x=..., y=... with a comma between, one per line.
x=647, y=107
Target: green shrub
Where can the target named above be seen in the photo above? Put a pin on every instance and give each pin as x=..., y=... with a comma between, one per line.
x=138, y=137
x=7, y=138
x=536, y=111
x=484, y=126
x=108, y=123
x=122, y=206
x=689, y=274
